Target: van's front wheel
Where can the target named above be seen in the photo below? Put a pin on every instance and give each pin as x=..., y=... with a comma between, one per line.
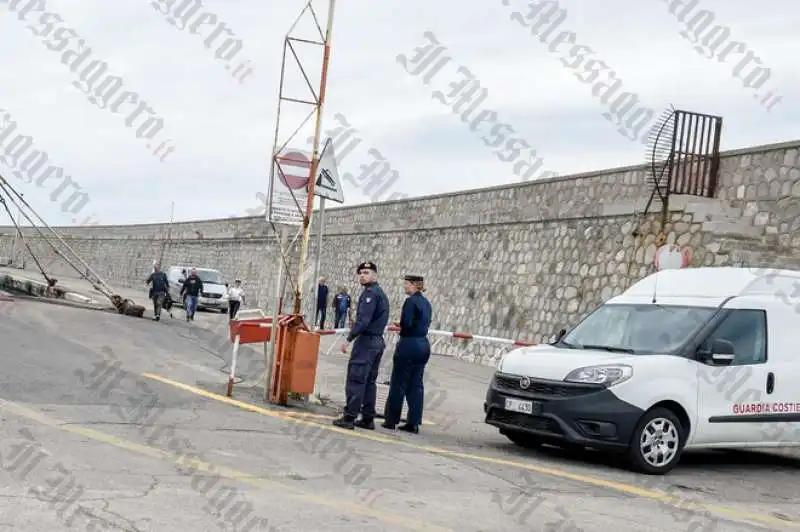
x=657, y=442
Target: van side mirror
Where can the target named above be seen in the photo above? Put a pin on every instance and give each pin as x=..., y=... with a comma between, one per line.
x=721, y=353
x=559, y=335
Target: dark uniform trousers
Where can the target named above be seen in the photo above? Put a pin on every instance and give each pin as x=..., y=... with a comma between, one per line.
x=408, y=368
x=362, y=372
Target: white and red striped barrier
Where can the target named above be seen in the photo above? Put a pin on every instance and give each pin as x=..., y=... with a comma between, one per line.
x=445, y=334
x=470, y=336
x=438, y=336
x=436, y=333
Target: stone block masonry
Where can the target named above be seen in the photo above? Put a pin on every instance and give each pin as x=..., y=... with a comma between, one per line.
x=518, y=261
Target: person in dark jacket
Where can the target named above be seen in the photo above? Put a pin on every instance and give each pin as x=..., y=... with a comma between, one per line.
x=410, y=357
x=158, y=290
x=192, y=287
x=372, y=316
x=322, y=302
x=341, y=308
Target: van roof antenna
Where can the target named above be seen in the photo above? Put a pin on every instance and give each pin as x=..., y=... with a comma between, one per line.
x=655, y=286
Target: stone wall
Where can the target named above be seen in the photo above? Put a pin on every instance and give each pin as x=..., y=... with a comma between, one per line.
x=517, y=261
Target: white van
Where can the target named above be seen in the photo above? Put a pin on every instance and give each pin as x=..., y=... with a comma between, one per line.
x=214, y=295
x=696, y=358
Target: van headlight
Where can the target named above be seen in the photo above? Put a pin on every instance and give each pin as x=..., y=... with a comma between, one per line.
x=608, y=375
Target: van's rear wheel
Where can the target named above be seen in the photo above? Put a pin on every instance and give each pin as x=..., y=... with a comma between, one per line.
x=527, y=441
x=657, y=442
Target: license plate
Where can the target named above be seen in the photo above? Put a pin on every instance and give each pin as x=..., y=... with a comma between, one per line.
x=516, y=405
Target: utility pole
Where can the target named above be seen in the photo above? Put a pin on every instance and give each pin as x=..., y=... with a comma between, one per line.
x=297, y=213
x=18, y=234
x=318, y=261
x=169, y=233
x=312, y=180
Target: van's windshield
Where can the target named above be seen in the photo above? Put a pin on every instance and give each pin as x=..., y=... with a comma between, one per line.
x=637, y=329
x=209, y=276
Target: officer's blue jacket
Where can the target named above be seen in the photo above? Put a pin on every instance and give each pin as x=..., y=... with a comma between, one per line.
x=415, y=319
x=372, y=314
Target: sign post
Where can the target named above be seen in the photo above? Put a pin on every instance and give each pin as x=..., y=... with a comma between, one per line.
x=328, y=186
x=291, y=202
x=269, y=347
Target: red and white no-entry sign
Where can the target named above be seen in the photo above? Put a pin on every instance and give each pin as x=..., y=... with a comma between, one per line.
x=672, y=257
x=294, y=168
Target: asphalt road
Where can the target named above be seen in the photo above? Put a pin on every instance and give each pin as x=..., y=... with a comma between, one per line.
x=82, y=450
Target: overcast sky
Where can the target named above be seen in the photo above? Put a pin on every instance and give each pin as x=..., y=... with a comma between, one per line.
x=222, y=127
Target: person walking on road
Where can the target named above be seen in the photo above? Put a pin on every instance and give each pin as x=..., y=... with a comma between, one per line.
x=341, y=308
x=372, y=316
x=158, y=289
x=235, y=297
x=192, y=287
x=322, y=302
x=410, y=357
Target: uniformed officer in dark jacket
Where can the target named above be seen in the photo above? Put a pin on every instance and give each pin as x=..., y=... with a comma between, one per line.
x=372, y=316
x=410, y=357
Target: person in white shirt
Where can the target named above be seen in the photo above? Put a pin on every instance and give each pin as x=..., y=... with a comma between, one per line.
x=235, y=297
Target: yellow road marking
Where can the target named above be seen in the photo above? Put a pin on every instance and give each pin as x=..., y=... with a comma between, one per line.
x=337, y=505
x=629, y=489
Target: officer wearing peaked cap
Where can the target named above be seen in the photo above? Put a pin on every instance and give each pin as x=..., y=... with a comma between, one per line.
x=372, y=317
x=410, y=357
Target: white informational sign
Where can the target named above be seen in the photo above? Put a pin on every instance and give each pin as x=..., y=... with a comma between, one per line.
x=328, y=184
x=672, y=257
x=288, y=188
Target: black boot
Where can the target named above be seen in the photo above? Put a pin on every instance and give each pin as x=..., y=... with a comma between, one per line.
x=365, y=423
x=387, y=425
x=413, y=429
x=345, y=422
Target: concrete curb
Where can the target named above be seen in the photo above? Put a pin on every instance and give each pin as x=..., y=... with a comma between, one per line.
x=5, y=296
x=66, y=303
x=19, y=283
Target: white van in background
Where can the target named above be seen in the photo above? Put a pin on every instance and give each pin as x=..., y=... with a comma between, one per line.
x=695, y=358
x=214, y=292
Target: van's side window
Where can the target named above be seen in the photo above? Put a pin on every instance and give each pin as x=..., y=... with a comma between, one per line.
x=747, y=331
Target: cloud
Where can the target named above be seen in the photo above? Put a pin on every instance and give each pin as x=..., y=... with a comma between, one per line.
x=223, y=129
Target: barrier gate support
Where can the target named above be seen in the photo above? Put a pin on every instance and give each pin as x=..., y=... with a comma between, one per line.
x=251, y=326
x=294, y=368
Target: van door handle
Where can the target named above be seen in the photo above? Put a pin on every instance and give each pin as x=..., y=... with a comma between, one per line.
x=770, y=382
